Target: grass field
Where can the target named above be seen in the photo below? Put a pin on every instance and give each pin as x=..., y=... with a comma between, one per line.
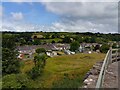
x=26, y=65
x=65, y=71
x=50, y=40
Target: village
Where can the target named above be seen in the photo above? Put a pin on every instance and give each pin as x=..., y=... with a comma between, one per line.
x=56, y=49
x=58, y=44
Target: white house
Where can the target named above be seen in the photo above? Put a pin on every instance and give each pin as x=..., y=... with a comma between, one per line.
x=51, y=53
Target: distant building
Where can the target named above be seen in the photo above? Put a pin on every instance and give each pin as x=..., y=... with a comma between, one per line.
x=86, y=47
x=60, y=46
x=50, y=48
x=51, y=53
x=68, y=52
x=21, y=56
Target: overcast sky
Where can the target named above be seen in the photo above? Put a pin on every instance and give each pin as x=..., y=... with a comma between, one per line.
x=60, y=16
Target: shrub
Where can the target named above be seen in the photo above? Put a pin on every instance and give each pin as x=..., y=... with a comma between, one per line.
x=104, y=48
x=40, y=50
x=16, y=81
x=35, y=72
x=74, y=46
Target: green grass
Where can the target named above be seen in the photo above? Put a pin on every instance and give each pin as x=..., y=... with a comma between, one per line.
x=26, y=66
x=50, y=40
x=65, y=71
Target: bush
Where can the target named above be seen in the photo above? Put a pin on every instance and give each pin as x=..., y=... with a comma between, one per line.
x=35, y=72
x=36, y=42
x=114, y=45
x=104, y=48
x=40, y=50
x=74, y=46
x=16, y=81
x=66, y=39
x=53, y=41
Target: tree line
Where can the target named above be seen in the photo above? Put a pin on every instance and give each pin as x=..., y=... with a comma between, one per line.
x=30, y=38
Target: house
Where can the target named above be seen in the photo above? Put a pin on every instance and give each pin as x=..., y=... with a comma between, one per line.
x=90, y=44
x=81, y=48
x=30, y=49
x=51, y=53
x=85, y=47
x=68, y=52
x=60, y=46
x=21, y=56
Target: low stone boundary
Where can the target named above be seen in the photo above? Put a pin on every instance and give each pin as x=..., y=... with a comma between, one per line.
x=92, y=76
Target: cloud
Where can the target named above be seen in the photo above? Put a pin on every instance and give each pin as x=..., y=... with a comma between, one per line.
x=72, y=26
x=85, y=16
x=83, y=9
x=74, y=17
x=79, y=26
x=22, y=27
x=17, y=15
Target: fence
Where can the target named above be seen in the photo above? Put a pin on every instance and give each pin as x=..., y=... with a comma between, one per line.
x=111, y=56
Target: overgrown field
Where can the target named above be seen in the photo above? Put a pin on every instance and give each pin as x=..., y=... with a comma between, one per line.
x=65, y=71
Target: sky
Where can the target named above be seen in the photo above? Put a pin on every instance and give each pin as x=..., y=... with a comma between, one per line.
x=59, y=16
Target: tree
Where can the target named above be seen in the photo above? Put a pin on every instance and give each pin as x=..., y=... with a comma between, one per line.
x=55, y=35
x=66, y=39
x=23, y=38
x=36, y=42
x=92, y=40
x=22, y=41
x=40, y=50
x=10, y=63
x=47, y=36
x=114, y=45
x=39, y=61
x=53, y=41
x=34, y=73
x=74, y=46
x=8, y=41
x=104, y=48
x=86, y=39
x=97, y=47
x=79, y=39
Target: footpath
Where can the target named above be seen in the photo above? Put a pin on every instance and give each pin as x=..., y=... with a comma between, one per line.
x=111, y=76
